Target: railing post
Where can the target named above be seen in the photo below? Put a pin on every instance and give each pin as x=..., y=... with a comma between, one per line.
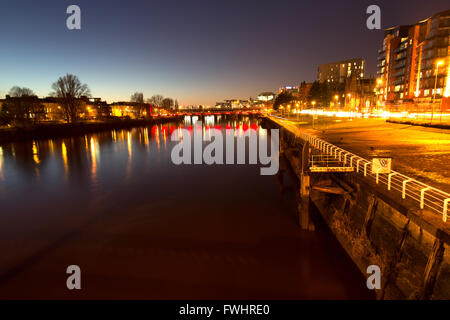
x=445, y=209
x=404, y=187
x=422, y=196
x=390, y=179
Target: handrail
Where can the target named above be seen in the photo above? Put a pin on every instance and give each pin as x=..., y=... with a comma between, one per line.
x=426, y=196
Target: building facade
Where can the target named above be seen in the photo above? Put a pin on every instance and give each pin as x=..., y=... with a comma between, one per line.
x=413, y=66
x=359, y=95
x=337, y=72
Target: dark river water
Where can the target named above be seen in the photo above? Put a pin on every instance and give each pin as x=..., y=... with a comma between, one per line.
x=139, y=226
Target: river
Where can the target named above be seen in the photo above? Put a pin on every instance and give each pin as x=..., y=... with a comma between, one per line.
x=140, y=227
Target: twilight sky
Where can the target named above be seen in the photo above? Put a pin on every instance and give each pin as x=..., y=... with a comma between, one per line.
x=198, y=51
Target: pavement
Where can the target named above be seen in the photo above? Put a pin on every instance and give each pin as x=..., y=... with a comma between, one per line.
x=419, y=152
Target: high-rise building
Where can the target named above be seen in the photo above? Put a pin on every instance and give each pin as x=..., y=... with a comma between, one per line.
x=413, y=64
x=337, y=72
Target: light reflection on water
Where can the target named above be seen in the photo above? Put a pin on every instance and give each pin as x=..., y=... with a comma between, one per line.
x=68, y=158
x=119, y=188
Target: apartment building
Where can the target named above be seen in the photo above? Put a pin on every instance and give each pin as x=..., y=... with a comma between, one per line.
x=337, y=72
x=413, y=65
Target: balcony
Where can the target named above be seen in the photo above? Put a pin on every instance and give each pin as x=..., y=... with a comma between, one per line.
x=428, y=55
x=428, y=45
x=426, y=66
x=399, y=73
x=400, y=56
x=398, y=81
x=400, y=65
x=403, y=47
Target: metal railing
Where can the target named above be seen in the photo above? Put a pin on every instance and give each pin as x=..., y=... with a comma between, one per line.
x=327, y=163
x=426, y=196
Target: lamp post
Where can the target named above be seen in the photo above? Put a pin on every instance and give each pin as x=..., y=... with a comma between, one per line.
x=438, y=63
x=313, y=104
x=349, y=101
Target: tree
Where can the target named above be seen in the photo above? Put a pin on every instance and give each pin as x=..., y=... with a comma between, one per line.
x=321, y=93
x=327, y=94
x=70, y=90
x=156, y=100
x=20, y=92
x=21, y=105
x=167, y=103
x=282, y=98
x=176, y=106
x=138, y=99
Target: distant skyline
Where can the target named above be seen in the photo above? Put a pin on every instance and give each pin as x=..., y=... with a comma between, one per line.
x=198, y=52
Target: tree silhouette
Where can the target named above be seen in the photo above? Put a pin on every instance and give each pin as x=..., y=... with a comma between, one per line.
x=138, y=99
x=156, y=100
x=69, y=90
x=282, y=98
x=321, y=93
x=167, y=103
x=21, y=106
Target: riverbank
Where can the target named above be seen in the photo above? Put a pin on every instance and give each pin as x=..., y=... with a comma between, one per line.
x=376, y=227
x=52, y=130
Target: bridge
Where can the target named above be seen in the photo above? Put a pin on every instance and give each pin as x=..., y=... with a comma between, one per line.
x=380, y=217
x=219, y=111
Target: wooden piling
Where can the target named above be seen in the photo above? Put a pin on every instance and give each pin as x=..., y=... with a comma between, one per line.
x=305, y=188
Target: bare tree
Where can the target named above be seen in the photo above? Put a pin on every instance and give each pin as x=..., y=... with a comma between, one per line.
x=17, y=92
x=70, y=90
x=137, y=97
x=156, y=100
x=167, y=103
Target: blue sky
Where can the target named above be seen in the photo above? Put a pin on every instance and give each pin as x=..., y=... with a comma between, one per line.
x=197, y=51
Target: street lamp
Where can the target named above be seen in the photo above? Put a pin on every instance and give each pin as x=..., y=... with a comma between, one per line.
x=438, y=63
x=313, y=103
